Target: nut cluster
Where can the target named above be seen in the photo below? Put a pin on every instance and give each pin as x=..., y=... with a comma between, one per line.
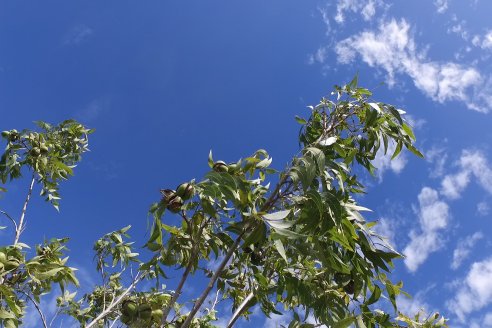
x=174, y=199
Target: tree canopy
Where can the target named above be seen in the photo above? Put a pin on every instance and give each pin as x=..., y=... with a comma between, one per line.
x=290, y=241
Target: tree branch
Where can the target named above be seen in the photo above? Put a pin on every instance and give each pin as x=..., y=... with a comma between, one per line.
x=36, y=305
x=21, y=225
x=240, y=310
x=136, y=280
x=185, y=275
x=212, y=281
x=177, y=292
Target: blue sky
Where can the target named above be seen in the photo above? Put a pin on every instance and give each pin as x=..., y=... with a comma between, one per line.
x=164, y=82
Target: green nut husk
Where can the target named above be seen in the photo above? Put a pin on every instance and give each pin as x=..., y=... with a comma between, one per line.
x=220, y=167
x=129, y=308
x=157, y=314
x=145, y=311
x=35, y=151
x=43, y=149
x=185, y=190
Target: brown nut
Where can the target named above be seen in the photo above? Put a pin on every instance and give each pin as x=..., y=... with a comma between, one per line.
x=175, y=204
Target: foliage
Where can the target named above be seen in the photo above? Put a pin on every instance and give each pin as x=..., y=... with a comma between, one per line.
x=293, y=240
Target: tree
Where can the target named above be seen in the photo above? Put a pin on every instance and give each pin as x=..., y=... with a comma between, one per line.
x=294, y=238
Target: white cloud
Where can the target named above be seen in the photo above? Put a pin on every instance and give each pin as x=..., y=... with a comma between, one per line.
x=392, y=48
x=366, y=7
x=386, y=229
x=319, y=56
x=464, y=248
x=433, y=216
x=471, y=163
x=77, y=35
x=484, y=42
x=411, y=306
x=475, y=292
x=460, y=30
x=441, y=5
x=438, y=157
x=483, y=208
x=453, y=185
x=383, y=161
x=487, y=320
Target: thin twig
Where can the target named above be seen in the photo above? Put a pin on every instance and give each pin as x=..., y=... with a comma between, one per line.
x=21, y=225
x=137, y=278
x=212, y=280
x=177, y=292
x=36, y=305
x=10, y=218
x=54, y=316
x=114, y=321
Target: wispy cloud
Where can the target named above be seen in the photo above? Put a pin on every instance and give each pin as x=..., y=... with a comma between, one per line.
x=77, y=34
x=474, y=292
x=393, y=49
x=434, y=216
x=464, y=248
x=438, y=157
x=94, y=109
x=367, y=8
x=441, y=6
x=483, y=208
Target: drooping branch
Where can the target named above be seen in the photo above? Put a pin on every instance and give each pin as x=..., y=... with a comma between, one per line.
x=10, y=218
x=21, y=226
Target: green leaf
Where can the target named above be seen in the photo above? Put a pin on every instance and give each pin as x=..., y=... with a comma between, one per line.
x=375, y=296
x=397, y=150
x=280, y=215
x=408, y=130
x=328, y=141
x=414, y=150
x=280, y=248
x=210, y=159
x=344, y=323
x=48, y=274
x=354, y=82
x=300, y=120
x=375, y=106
